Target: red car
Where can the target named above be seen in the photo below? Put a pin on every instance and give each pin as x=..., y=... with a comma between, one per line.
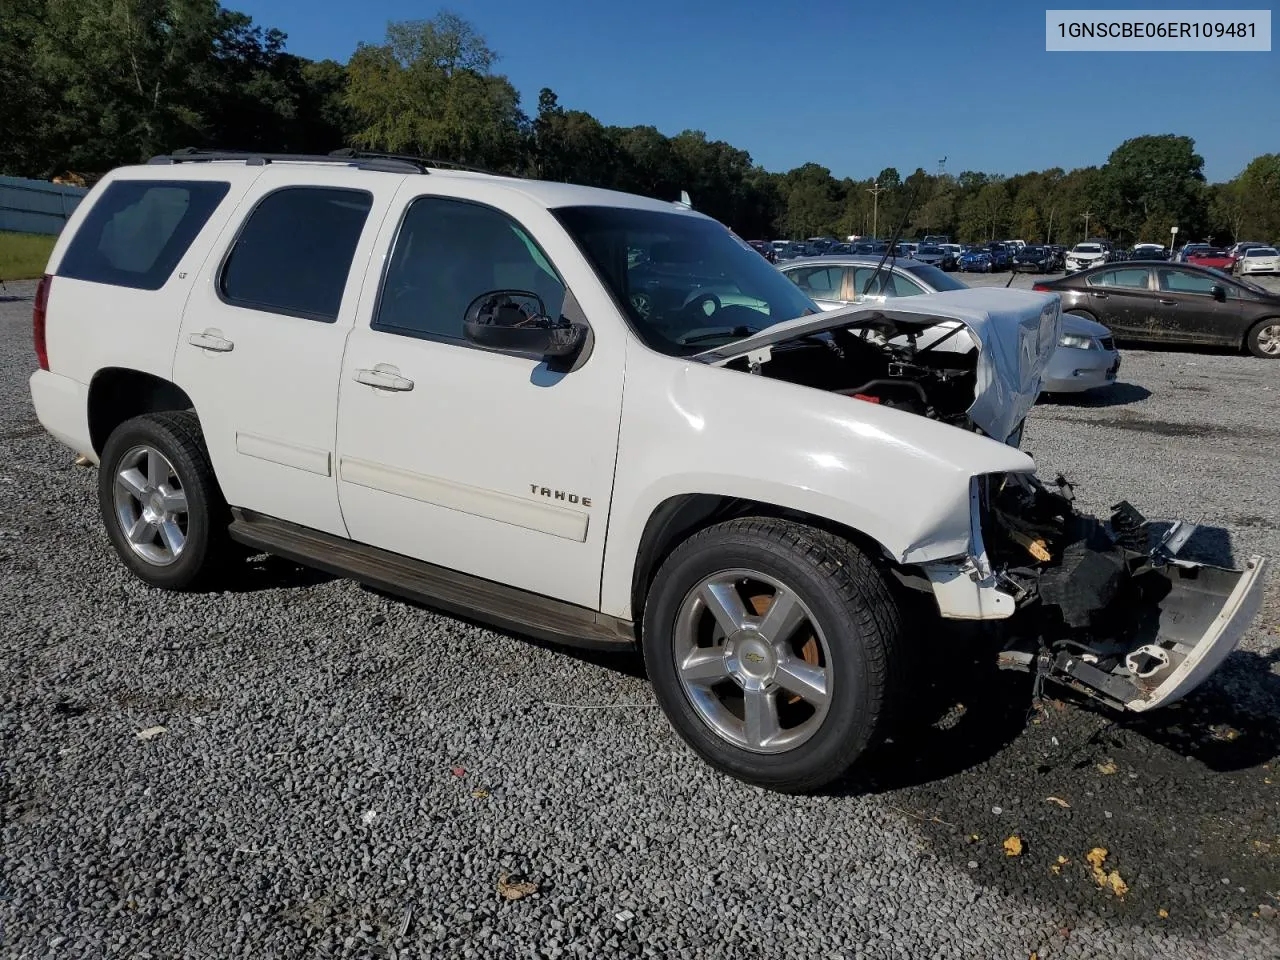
x=1213, y=257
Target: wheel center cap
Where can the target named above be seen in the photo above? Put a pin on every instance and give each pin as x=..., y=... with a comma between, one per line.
x=155, y=505
x=755, y=657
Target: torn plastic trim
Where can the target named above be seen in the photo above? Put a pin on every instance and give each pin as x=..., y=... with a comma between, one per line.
x=968, y=588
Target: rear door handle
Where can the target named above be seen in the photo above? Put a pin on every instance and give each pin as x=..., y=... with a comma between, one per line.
x=211, y=340
x=383, y=376
x=1170, y=303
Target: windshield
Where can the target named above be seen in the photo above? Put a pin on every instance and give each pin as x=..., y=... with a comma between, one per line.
x=1031, y=252
x=1087, y=248
x=1260, y=252
x=931, y=249
x=691, y=287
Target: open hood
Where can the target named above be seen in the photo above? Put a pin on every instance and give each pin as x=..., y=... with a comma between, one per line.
x=1014, y=332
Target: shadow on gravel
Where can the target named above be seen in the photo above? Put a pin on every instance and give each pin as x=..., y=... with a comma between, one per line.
x=267, y=572
x=1201, y=348
x=626, y=662
x=1116, y=395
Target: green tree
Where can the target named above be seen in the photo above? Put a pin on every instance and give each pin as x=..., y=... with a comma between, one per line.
x=1260, y=189
x=571, y=146
x=121, y=80
x=811, y=200
x=428, y=90
x=1151, y=181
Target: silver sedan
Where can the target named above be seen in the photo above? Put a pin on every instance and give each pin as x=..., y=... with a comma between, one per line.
x=1086, y=356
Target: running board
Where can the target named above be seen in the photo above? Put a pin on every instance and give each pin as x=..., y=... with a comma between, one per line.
x=494, y=604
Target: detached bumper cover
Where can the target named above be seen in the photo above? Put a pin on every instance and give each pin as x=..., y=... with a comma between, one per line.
x=1206, y=613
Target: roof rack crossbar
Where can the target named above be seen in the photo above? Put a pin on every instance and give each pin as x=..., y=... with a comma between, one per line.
x=388, y=164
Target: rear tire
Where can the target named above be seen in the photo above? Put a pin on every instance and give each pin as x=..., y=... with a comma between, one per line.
x=1263, y=339
x=724, y=671
x=161, y=503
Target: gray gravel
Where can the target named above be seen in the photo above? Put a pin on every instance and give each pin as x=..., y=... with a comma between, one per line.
x=334, y=761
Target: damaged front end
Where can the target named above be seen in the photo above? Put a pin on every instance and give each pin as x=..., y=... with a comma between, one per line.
x=1107, y=608
x=1110, y=609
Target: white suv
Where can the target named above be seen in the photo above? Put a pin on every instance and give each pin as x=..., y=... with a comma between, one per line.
x=596, y=418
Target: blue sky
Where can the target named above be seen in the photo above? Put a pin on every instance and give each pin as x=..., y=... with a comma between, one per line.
x=855, y=86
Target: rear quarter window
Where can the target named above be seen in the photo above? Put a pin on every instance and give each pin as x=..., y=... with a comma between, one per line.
x=137, y=231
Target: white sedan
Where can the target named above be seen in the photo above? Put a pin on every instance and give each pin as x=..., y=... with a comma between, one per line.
x=1259, y=260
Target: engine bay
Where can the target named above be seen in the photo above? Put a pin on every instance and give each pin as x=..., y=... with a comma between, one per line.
x=925, y=368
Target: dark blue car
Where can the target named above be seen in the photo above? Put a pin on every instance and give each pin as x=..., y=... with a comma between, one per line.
x=975, y=260
x=1001, y=256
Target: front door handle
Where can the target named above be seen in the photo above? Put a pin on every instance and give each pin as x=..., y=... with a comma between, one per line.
x=1170, y=303
x=1101, y=296
x=383, y=376
x=211, y=340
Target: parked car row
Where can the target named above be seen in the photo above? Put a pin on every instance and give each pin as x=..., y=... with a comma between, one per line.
x=1018, y=256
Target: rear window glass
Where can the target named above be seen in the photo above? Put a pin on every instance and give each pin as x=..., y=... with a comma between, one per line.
x=294, y=252
x=137, y=231
x=935, y=278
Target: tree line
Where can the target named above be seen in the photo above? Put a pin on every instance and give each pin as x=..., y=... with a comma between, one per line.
x=86, y=85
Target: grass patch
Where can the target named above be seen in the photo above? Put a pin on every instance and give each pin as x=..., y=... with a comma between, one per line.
x=23, y=255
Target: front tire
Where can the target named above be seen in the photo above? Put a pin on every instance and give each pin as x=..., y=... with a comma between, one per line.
x=160, y=501
x=1263, y=340
x=773, y=648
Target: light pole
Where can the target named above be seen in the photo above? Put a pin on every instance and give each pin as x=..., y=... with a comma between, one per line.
x=874, y=190
x=1173, y=240
x=1086, y=215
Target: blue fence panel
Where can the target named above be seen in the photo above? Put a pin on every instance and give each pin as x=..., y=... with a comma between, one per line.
x=36, y=206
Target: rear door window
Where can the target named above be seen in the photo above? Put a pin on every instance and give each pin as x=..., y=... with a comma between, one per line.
x=1133, y=278
x=137, y=231
x=294, y=252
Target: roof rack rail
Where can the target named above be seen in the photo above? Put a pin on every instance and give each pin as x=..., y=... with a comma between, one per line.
x=384, y=163
x=351, y=153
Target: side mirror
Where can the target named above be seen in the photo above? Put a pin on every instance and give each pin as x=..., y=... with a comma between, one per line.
x=516, y=320
x=1219, y=293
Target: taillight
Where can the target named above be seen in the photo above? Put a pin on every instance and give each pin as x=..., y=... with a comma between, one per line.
x=38, y=313
x=1041, y=288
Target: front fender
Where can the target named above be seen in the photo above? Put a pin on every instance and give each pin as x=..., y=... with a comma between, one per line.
x=688, y=428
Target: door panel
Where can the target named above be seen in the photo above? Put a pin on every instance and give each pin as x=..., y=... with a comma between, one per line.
x=489, y=463
x=1186, y=310
x=263, y=334
x=1121, y=299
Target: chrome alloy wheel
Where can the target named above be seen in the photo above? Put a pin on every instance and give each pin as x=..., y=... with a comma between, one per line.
x=151, y=506
x=752, y=661
x=1269, y=339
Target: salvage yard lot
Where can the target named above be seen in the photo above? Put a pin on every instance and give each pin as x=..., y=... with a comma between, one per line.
x=335, y=764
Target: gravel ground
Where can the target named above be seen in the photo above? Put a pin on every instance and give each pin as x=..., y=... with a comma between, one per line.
x=342, y=774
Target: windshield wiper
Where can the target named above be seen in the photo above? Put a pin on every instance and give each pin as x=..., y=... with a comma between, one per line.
x=716, y=332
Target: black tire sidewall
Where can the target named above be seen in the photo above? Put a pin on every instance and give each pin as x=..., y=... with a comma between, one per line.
x=853, y=713
x=188, y=465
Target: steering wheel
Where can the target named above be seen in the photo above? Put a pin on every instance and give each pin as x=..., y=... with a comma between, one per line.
x=642, y=305
x=698, y=301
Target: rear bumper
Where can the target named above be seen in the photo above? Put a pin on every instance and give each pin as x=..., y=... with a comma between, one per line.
x=62, y=407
